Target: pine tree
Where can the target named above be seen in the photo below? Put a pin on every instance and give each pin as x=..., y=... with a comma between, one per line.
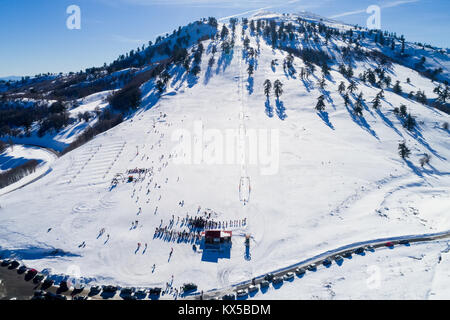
x=403, y=110
x=410, y=122
x=376, y=103
x=358, y=110
x=322, y=83
x=352, y=87
x=320, y=106
x=325, y=69
x=341, y=87
x=425, y=160
x=403, y=150
x=211, y=62
x=397, y=88
x=278, y=88
x=359, y=104
x=267, y=88
x=346, y=99
x=250, y=70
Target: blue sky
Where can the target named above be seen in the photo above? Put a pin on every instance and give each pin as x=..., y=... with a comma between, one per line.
x=35, y=38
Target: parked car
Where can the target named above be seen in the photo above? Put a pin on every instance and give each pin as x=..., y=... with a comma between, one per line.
x=39, y=293
x=299, y=271
x=359, y=250
x=38, y=278
x=277, y=280
x=338, y=258
x=155, y=291
x=127, y=291
x=230, y=296
x=264, y=284
x=241, y=293
x=31, y=274
x=47, y=284
x=327, y=262
x=389, y=244
x=80, y=298
x=288, y=276
x=22, y=270
x=95, y=290
x=13, y=265
x=109, y=289
x=63, y=286
x=404, y=242
x=141, y=293
x=370, y=248
x=54, y=297
x=269, y=277
x=252, y=289
x=6, y=263
x=189, y=287
x=347, y=254
x=312, y=267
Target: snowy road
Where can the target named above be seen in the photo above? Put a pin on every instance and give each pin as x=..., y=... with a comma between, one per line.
x=21, y=153
x=318, y=260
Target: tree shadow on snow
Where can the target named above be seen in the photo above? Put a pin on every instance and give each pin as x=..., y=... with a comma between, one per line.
x=250, y=82
x=361, y=121
x=281, y=110
x=269, y=109
x=324, y=116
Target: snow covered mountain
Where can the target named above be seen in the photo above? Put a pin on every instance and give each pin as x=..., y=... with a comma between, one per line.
x=314, y=177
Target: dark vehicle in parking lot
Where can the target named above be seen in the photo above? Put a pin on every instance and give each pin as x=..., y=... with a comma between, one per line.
x=326, y=262
x=31, y=274
x=359, y=251
x=252, y=289
x=264, y=284
x=338, y=258
x=38, y=297
x=229, y=297
x=389, y=244
x=189, y=287
x=277, y=280
x=38, y=278
x=63, y=286
x=80, y=298
x=127, y=291
x=347, y=254
x=95, y=290
x=300, y=271
x=155, y=292
x=39, y=293
x=6, y=263
x=53, y=297
x=141, y=293
x=288, y=276
x=13, y=265
x=47, y=284
x=109, y=289
x=312, y=267
x=403, y=242
x=22, y=270
x=269, y=277
x=241, y=293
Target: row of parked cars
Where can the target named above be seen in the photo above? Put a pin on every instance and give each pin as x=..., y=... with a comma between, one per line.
x=241, y=293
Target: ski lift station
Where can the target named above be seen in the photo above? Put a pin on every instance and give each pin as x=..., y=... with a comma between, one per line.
x=217, y=240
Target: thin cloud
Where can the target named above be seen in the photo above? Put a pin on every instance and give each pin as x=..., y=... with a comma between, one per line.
x=387, y=5
x=259, y=9
x=123, y=39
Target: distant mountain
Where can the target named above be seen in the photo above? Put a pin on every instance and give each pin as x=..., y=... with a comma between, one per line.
x=10, y=78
